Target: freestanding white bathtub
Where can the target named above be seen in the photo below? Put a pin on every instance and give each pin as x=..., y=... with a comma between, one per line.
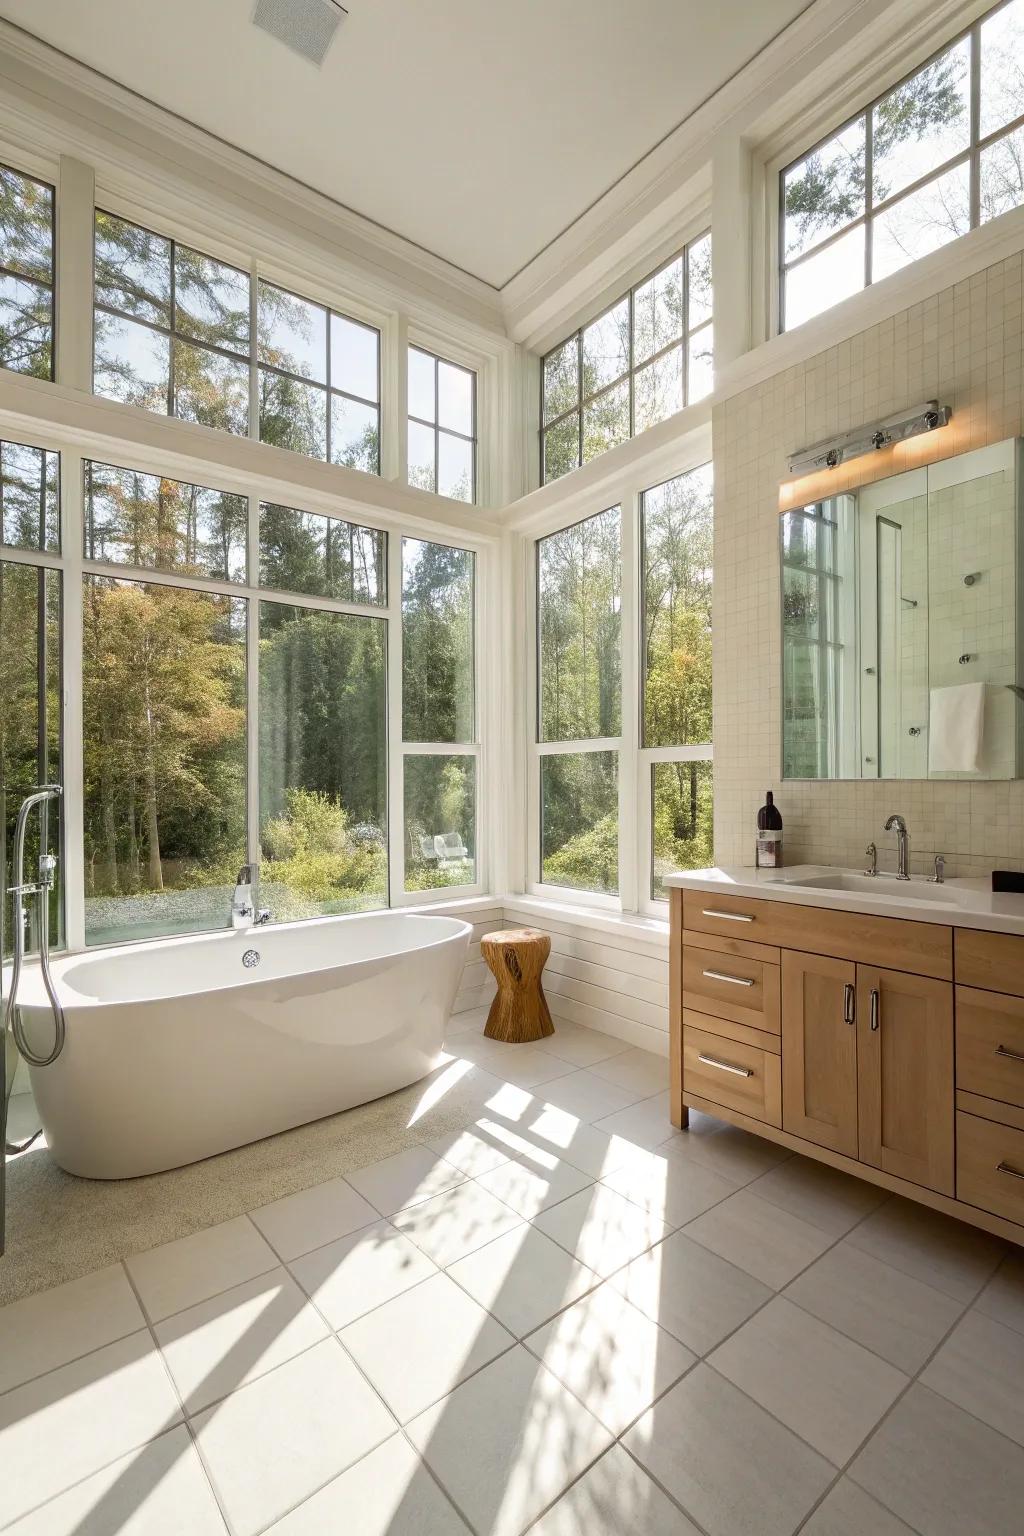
x=180, y=1048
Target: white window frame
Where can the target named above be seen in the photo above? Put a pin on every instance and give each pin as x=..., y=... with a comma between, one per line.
x=71, y=562
x=636, y=810
x=845, y=106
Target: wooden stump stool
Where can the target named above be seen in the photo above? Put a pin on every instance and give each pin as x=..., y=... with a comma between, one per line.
x=520, y=1011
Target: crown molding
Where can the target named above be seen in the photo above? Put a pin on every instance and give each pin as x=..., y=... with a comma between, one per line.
x=61, y=106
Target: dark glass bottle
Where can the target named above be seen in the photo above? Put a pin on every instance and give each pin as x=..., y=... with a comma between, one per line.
x=769, y=835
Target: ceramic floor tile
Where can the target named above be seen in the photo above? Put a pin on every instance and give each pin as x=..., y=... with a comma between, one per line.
x=697, y=1296
x=419, y=1346
x=359, y=1272
x=524, y=1065
x=827, y=1389
x=592, y=1151
x=531, y=1189
x=646, y=1123
x=674, y=1188
x=313, y=1217
x=735, y=1154
x=611, y=1356
x=388, y=1493
x=586, y=1096
x=732, y=1467
x=767, y=1242
x=67, y=1424
x=471, y=1151
x=408, y=1178
x=276, y=1441
x=179, y=1274
x=602, y=1228
x=942, y=1471
x=53, y=1327
x=614, y=1497
x=456, y=1223
x=638, y=1069
x=581, y=1047
x=507, y=1442
x=941, y=1251
x=523, y=1278
x=821, y=1195
x=847, y=1510
x=1003, y=1297
x=158, y=1490
x=213, y=1348
x=980, y=1367
x=898, y=1317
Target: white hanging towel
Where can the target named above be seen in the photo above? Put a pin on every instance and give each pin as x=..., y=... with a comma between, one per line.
x=956, y=727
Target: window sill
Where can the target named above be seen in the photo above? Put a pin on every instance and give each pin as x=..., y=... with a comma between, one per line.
x=621, y=925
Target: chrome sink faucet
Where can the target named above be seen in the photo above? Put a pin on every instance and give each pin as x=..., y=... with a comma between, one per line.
x=243, y=912
x=902, y=845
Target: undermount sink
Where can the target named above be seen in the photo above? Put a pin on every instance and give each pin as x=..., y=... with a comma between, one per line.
x=879, y=886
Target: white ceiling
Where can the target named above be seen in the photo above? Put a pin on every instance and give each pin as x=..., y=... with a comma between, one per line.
x=480, y=129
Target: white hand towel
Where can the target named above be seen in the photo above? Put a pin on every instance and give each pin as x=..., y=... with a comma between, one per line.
x=956, y=727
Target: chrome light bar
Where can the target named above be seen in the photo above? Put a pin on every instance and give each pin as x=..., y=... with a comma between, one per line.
x=879, y=434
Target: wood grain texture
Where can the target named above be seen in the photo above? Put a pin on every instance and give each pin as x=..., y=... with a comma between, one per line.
x=730, y=1030
x=991, y=960
x=990, y=1166
x=758, y=1095
x=519, y=1012
x=905, y=1076
x=819, y=1051
x=923, y=948
x=677, y=1110
x=990, y=1044
x=990, y=1109
x=758, y=1004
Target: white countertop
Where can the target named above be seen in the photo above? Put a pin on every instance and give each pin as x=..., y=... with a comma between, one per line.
x=955, y=903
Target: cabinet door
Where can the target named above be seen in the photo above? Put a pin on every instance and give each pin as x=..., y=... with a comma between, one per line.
x=819, y=1050
x=905, y=1075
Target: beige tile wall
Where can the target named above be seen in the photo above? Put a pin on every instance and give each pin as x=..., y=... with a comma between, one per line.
x=964, y=345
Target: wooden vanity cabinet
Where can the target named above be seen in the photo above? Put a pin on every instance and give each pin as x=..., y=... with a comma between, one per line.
x=819, y=1050
x=905, y=1076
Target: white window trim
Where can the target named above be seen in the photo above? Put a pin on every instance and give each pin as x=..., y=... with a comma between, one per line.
x=635, y=760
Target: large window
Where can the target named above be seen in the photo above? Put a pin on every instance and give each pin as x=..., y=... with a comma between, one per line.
x=936, y=156
x=319, y=380
x=174, y=335
x=640, y=361
x=442, y=426
x=579, y=706
x=676, y=524
x=26, y=274
x=621, y=785
x=439, y=733
x=171, y=328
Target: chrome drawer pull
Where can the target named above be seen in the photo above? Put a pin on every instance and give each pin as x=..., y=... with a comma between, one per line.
x=849, y=1004
x=875, y=1008
x=737, y=981
x=729, y=917
x=1014, y=1173
x=1001, y=1050
x=727, y=1066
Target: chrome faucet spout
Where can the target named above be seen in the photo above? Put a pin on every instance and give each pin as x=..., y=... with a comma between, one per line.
x=897, y=824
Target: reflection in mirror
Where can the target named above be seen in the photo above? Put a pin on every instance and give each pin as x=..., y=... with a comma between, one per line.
x=901, y=646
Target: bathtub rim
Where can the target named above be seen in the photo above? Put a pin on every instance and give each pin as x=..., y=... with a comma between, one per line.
x=34, y=998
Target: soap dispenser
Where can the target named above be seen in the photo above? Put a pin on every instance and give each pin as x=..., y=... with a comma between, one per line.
x=769, y=835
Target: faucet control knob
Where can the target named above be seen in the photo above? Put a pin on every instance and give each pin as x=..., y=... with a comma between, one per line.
x=940, y=870
x=871, y=854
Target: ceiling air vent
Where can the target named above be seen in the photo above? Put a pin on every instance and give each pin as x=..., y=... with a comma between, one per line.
x=305, y=26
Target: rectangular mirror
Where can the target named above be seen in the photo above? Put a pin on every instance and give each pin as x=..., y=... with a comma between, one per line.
x=902, y=629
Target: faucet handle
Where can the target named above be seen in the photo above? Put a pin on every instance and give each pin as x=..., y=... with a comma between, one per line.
x=871, y=852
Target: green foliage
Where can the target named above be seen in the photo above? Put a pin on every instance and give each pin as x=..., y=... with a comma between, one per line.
x=579, y=578
x=437, y=642
x=590, y=860
x=26, y=296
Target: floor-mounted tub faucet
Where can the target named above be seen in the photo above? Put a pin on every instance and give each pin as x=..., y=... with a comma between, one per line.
x=902, y=845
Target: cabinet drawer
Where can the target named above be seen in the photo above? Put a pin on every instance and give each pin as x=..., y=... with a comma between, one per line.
x=734, y=1075
x=990, y=1045
x=990, y=1166
x=991, y=960
x=732, y=987
x=925, y=949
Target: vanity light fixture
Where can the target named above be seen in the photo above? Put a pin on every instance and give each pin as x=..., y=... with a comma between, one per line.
x=878, y=434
